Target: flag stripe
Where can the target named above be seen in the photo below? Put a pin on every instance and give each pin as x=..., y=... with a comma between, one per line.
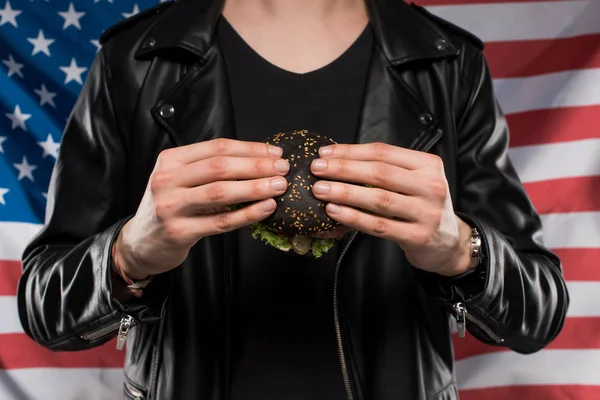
x=538, y=392
x=532, y=57
x=15, y=236
x=580, y=264
x=19, y=351
x=428, y=3
x=557, y=160
x=554, y=125
x=577, y=333
x=502, y=22
x=574, y=230
x=61, y=383
x=548, y=91
x=10, y=271
x=556, y=196
x=558, y=367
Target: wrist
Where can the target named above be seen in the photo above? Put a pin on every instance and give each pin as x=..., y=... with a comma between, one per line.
x=124, y=259
x=462, y=261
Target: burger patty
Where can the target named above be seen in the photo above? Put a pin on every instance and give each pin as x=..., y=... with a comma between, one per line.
x=298, y=211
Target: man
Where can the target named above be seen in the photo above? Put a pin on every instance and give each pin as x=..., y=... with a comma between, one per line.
x=169, y=130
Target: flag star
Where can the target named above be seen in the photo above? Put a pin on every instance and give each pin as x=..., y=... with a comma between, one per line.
x=3, y=191
x=8, y=15
x=18, y=118
x=25, y=169
x=73, y=72
x=71, y=17
x=50, y=147
x=97, y=44
x=135, y=10
x=41, y=44
x=46, y=97
x=2, y=140
x=97, y=1
x=13, y=66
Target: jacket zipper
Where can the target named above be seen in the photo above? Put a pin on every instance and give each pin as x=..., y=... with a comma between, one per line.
x=109, y=329
x=158, y=356
x=336, y=320
x=126, y=323
x=133, y=392
x=336, y=314
x=462, y=315
x=228, y=322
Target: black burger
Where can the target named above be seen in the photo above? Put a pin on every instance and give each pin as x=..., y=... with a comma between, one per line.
x=300, y=222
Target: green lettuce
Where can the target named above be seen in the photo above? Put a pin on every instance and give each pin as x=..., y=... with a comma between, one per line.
x=263, y=233
x=321, y=246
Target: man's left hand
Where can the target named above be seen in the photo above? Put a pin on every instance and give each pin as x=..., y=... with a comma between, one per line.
x=407, y=199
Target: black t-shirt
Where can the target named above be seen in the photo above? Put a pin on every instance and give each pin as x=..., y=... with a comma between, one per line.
x=288, y=349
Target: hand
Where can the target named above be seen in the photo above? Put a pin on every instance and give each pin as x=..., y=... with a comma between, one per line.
x=187, y=196
x=408, y=198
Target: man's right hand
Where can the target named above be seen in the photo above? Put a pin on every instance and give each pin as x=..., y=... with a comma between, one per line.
x=187, y=196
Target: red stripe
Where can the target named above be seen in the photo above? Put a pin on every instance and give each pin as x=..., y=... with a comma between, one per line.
x=577, y=333
x=534, y=57
x=18, y=351
x=580, y=264
x=545, y=392
x=428, y=3
x=554, y=125
x=556, y=195
x=10, y=271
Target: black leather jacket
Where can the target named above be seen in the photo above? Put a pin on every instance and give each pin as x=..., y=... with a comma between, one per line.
x=159, y=81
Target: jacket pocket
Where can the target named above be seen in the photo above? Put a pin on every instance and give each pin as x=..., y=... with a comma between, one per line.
x=133, y=391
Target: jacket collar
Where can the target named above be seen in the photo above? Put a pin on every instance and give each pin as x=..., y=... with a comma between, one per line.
x=402, y=33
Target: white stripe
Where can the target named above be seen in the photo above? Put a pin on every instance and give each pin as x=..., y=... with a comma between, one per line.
x=14, y=236
x=571, y=88
x=572, y=230
x=524, y=21
x=546, y=367
x=61, y=384
x=9, y=323
x=556, y=160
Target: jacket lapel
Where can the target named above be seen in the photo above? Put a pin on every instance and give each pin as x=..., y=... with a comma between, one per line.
x=198, y=108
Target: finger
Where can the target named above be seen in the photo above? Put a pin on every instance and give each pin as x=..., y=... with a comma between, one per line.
x=224, y=193
x=229, y=168
x=375, y=225
x=199, y=226
x=223, y=147
x=374, y=173
x=379, y=201
x=394, y=155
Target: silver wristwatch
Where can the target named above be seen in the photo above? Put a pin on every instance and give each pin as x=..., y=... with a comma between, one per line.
x=475, y=248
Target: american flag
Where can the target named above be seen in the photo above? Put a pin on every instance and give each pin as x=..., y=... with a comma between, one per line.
x=545, y=58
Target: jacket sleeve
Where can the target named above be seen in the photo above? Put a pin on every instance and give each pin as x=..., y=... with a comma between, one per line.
x=65, y=295
x=522, y=300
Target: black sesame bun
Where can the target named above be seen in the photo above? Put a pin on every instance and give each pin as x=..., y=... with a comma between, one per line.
x=300, y=222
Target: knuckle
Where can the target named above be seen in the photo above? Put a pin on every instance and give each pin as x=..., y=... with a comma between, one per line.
x=438, y=188
x=174, y=232
x=221, y=145
x=383, y=201
x=215, y=192
x=435, y=161
x=256, y=189
x=380, y=226
x=342, y=167
x=165, y=208
x=159, y=180
x=165, y=156
x=218, y=165
x=346, y=192
x=380, y=149
x=381, y=172
x=421, y=237
x=223, y=222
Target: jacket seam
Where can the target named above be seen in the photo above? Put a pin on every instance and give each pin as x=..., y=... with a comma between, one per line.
x=442, y=390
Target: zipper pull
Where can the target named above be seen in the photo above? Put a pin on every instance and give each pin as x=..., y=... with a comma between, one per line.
x=461, y=318
x=126, y=323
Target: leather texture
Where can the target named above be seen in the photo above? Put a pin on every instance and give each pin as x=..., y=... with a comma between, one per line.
x=159, y=81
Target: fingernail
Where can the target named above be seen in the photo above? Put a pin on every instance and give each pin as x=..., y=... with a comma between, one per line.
x=278, y=184
x=325, y=151
x=275, y=151
x=269, y=205
x=319, y=165
x=333, y=209
x=321, y=188
x=282, y=166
